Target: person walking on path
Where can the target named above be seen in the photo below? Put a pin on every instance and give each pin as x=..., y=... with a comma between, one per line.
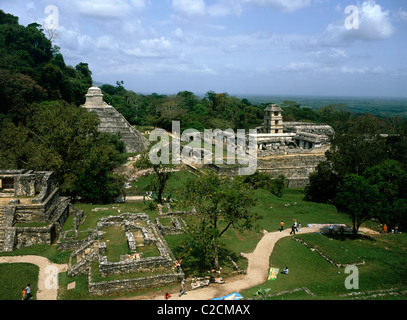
x=28, y=292
x=292, y=229
x=23, y=294
x=281, y=225
x=183, y=290
x=299, y=227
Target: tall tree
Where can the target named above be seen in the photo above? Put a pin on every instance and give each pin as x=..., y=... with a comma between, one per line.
x=221, y=204
x=390, y=179
x=358, y=199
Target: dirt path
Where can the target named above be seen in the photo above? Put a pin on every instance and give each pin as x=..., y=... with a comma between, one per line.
x=45, y=274
x=257, y=271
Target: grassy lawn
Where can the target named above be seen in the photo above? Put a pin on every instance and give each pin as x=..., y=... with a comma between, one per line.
x=116, y=244
x=14, y=277
x=175, y=183
x=385, y=266
x=385, y=255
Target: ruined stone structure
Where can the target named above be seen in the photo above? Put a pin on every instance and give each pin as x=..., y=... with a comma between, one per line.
x=113, y=122
x=273, y=120
x=139, y=232
x=27, y=198
x=292, y=149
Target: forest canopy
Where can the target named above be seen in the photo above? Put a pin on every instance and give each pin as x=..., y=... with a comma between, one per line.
x=41, y=124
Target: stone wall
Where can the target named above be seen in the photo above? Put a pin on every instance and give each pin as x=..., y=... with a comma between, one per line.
x=116, y=286
x=45, y=182
x=132, y=266
x=296, y=168
x=314, y=128
x=29, y=236
x=24, y=185
x=176, y=228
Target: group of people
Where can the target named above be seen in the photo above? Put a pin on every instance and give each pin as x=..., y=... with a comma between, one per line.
x=295, y=227
x=26, y=293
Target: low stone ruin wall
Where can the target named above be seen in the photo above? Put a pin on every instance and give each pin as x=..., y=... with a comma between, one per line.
x=116, y=286
x=131, y=266
x=176, y=228
x=29, y=236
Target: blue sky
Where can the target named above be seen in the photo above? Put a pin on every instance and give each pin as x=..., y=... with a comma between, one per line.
x=268, y=47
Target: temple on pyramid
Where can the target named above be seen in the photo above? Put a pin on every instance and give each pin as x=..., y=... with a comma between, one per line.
x=112, y=121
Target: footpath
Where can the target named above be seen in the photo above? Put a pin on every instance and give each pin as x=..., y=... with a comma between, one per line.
x=46, y=287
x=257, y=271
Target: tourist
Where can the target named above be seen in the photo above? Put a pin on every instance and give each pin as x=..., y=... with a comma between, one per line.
x=331, y=229
x=281, y=225
x=177, y=265
x=23, y=294
x=293, y=229
x=28, y=292
x=299, y=227
x=385, y=228
x=295, y=224
x=183, y=290
x=285, y=271
x=167, y=296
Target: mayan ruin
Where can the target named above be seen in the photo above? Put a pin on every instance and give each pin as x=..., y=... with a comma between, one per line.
x=203, y=158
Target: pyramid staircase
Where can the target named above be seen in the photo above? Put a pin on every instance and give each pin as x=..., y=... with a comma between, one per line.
x=112, y=121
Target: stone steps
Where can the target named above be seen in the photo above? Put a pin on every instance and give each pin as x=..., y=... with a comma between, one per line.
x=113, y=122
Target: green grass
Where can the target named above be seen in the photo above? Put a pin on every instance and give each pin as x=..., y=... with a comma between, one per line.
x=14, y=277
x=113, y=210
x=175, y=184
x=273, y=209
x=385, y=266
x=385, y=256
x=116, y=244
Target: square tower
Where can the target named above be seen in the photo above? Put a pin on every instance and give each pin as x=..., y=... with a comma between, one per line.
x=273, y=119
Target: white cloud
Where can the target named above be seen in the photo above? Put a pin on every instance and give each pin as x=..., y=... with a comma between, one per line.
x=284, y=5
x=189, y=8
x=113, y=9
x=300, y=66
x=374, y=24
x=362, y=70
x=225, y=8
x=402, y=15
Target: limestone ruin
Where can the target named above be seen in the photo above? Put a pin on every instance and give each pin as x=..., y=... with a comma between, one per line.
x=27, y=198
x=91, y=251
x=291, y=149
x=114, y=122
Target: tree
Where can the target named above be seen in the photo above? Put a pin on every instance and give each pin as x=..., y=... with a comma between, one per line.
x=265, y=181
x=323, y=184
x=64, y=139
x=390, y=179
x=359, y=148
x=358, y=199
x=221, y=204
x=159, y=180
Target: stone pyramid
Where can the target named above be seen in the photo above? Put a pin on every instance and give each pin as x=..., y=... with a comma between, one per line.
x=112, y=121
